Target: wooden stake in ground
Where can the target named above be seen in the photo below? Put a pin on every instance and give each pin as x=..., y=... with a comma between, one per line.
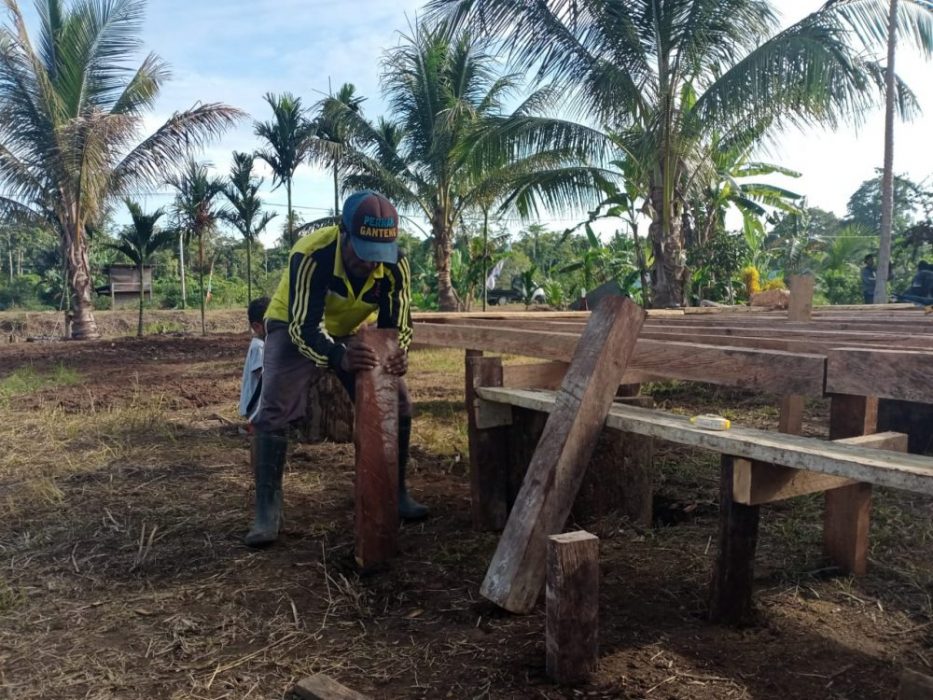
x=517, y=571
x=376, y=441
x=572, y=606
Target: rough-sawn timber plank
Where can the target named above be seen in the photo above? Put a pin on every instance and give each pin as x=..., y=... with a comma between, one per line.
x=899, y=471
x=771, y=371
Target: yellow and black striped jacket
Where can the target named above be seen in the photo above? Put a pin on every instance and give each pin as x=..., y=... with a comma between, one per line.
x=317, y=300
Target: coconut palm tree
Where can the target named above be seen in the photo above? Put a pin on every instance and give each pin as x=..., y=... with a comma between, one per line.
x=197, y=211
x=139, y=242
x=332, y=136
x=662, y=76
x=887, y=177
x=245, y=213
x=448, y=126
x=288, y=141
x=72, y=109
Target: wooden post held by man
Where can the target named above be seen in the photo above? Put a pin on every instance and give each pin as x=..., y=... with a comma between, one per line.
x=376, y=441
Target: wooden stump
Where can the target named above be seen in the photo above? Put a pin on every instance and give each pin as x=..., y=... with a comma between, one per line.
x=330, y=412
x=376, y=442
x=572, y=606
x=620, y=477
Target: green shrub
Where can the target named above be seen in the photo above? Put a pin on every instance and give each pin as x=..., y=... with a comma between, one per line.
x=22, y=292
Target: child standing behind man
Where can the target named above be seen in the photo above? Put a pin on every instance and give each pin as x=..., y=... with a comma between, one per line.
x=251, y=385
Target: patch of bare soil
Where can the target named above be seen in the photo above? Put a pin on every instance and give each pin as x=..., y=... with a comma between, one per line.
x=124, y=499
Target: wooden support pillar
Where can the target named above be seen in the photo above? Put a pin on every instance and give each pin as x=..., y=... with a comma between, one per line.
x=488, y=441
x=572, y=606
x=847, y=509
x=376, y=442
x=330, y=413
x=799, y=309
x=730, y=593
x=517, y=572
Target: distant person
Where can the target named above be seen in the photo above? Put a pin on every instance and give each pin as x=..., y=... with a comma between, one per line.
x=922, y=285
x=868, y=279
x=251, y=384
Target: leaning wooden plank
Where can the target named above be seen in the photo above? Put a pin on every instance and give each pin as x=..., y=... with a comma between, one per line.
x=321, y=687
x=887, y=374
x=765, y=370
x=915, y=686
x=756, y=483
x=900, y=471
x=376, y=440
x=517, y=571
x=572, y=606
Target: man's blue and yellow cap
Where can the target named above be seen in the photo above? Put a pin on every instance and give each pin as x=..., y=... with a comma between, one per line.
x=372, y=223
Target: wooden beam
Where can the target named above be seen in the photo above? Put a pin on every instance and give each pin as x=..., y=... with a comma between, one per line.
x=766, y=370
x=321, y=687
x=847, y=510
x=517, y=571
x=541, y=375
x=572, y=606
x=899, y=471
x=889, y=374
x=799, y=309
x=376, y=440
x=489, y=459
x=915, y=686
x=756, y=483
x=731, y=586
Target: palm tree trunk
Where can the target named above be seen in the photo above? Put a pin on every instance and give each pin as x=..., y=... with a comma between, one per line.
x=667, y=244
x=291, y=221
x=887, y=176
x=201, y=278
x=142, y=297
x=443, y=248
x=83, y=327
x=642, y=267
x=336, y=192
x=181, y=268
x=485, y=253
x=249, y=271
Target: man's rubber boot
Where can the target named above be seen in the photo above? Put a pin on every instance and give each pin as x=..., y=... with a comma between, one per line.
x=408, y=507
x=268, y=458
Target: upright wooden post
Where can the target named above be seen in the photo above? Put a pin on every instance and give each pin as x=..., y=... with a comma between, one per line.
x=572, y=606
x=489, y=459
x=730, y=592
x=376, y=439
x=517, y=571
x=847, y=509
x=799, y=309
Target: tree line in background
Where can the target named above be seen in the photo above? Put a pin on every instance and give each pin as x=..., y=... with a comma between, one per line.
x=631, y=111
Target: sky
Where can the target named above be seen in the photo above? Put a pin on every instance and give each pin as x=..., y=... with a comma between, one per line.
x=235, y=51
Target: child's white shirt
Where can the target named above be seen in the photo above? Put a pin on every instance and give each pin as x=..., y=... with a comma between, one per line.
x=252, y=374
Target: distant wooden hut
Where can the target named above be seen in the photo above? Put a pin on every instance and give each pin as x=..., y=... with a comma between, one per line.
x=123, y=284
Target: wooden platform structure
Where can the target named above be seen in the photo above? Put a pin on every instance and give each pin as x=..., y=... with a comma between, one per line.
x=123, y=284
x=853, y=355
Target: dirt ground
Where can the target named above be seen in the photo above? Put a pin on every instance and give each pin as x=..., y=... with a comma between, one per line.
x=125, y=492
